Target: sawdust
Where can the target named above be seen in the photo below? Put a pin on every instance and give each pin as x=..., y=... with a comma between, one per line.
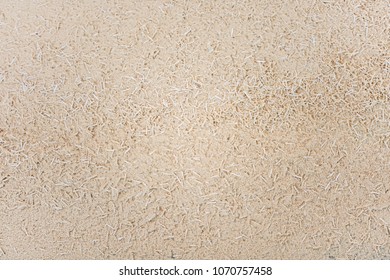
x=194, y=129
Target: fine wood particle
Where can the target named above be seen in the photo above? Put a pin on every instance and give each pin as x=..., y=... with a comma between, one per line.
x=195, y=129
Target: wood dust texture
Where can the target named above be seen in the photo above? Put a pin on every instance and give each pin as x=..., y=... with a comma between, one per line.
x=194, y=129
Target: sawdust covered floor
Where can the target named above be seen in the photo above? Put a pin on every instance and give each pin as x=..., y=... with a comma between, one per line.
x=194, y=130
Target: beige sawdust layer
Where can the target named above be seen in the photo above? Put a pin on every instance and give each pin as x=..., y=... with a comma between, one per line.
x=194, y=129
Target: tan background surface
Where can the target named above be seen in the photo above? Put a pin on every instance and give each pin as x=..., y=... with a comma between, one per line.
x=194, y=129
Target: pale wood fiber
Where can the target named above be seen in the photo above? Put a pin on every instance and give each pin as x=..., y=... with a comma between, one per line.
x=194, y=129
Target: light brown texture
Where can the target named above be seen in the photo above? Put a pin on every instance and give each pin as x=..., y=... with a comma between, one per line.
x=194, y=129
